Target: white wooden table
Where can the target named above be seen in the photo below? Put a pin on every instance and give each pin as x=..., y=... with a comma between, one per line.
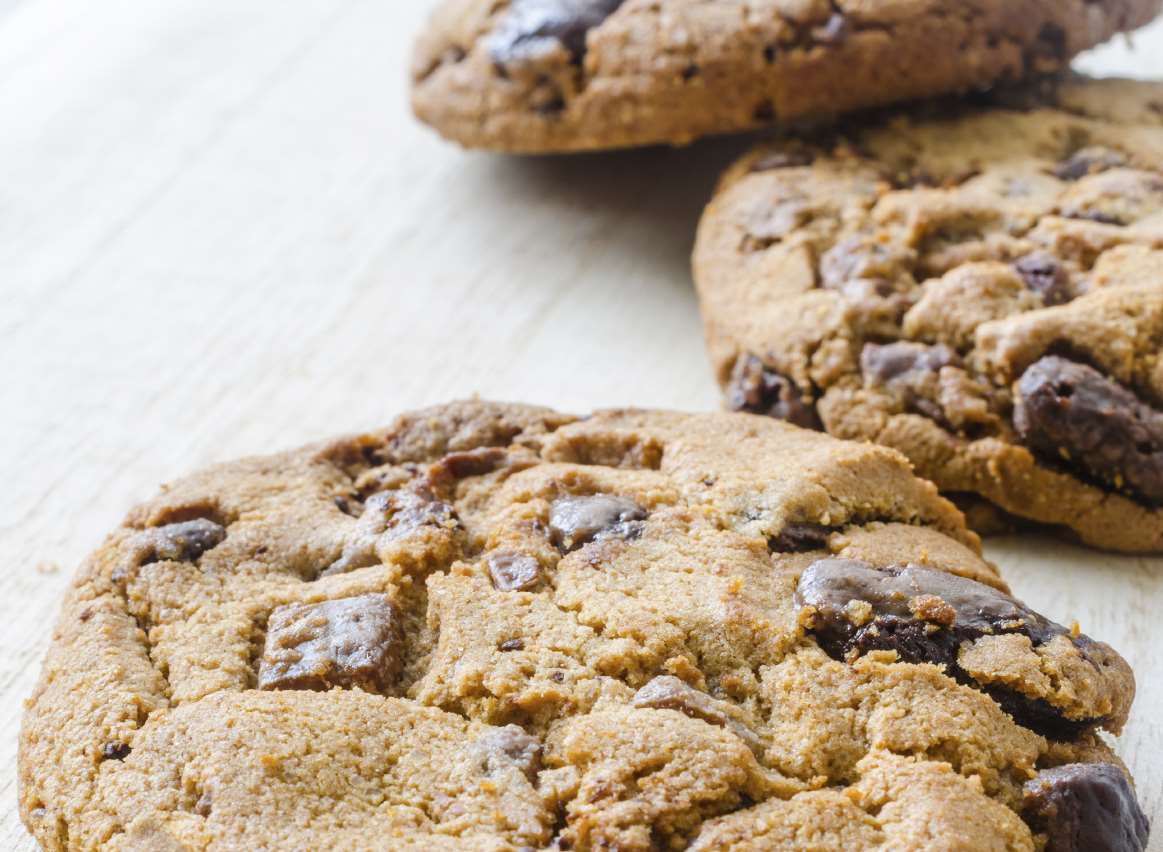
x=222, y=233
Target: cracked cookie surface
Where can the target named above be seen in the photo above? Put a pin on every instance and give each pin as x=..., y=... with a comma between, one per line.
x=977, y=286
x=498, y=627
x=567, y=75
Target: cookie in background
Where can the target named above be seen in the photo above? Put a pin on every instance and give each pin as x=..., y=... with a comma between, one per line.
x=975, y=286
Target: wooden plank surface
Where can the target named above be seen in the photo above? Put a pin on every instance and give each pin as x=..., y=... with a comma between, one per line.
x=222, y=233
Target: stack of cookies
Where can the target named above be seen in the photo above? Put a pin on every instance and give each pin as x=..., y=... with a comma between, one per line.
x=499, y=627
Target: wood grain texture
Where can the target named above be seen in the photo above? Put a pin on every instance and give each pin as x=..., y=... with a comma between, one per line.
x=221, y=233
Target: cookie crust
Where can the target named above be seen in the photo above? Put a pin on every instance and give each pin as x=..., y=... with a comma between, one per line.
x=494, y=626
x=932, y=281
x=540, y=76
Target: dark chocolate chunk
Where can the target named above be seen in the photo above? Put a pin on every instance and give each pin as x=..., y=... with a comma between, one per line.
x=1089, y=161
x=469, y=463
x=667, y=692
x=893, y=361
x=925, y=616
x=505, y=748
x=390, y=516
x=183, y=542
x=1085, y=807
x=513, y=572
x=866, y=258
x=1052, y=42
x=1072, y=413
x=404, y=512
x=759, y=390
x=1043, y=274
x=350, y=642
x=800, y=538
x=115, y=751
x=786, y=159
x=533, y=27
x=909, y=372
x=574, y=521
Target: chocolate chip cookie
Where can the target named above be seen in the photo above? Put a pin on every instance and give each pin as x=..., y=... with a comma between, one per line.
x=497, y=627
x=978, y=287
x=569, y=75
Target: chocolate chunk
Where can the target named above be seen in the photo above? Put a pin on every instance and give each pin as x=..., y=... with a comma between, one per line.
x=1070, y=412
x=508, y=747
x=925, y=616
x=669, y=693
x=1052, y=43
x=574, y=521
x=903, y=359
x=513, y=572
x=463, y=465
x=531, y=28
x=909, y=371
x=755, y=388
x=800, y=538
x=350, y=642
x=787, y=159
x=390, y=516
x=866, y=258
x=1043, y=274
x=183, y=542
x=512, y=645
x=403, y=512
x=666, y=692
x=1085, y=807
x=1089, y=161
x=115, y=751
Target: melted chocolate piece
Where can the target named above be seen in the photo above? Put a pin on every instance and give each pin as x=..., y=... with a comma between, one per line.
x=667, y=692
x=390, y=516
x=864, y=258
x=1088, y=161
x=350, y=642
x=533, y=27
x=909, y=372
x=1085, y=807
x=925, y=616
x=508, y=747
x=1072, y=413
x=758, y=390
x=512, y=572
x=800, y=538
x=184, y=542
x=404, y=512
x=1042, y=273
x=574, y=521
x=469, y=463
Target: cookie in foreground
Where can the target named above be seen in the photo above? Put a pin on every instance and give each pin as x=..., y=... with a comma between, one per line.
x=498, y=627
x=570, y=75
x=980, y=288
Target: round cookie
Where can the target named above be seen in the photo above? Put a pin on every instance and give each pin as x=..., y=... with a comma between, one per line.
x=981, y=289
x=542, y=76
x=497, y=627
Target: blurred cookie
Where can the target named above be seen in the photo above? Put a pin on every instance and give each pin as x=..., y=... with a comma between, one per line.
x=980, y=289
x=571, y=75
